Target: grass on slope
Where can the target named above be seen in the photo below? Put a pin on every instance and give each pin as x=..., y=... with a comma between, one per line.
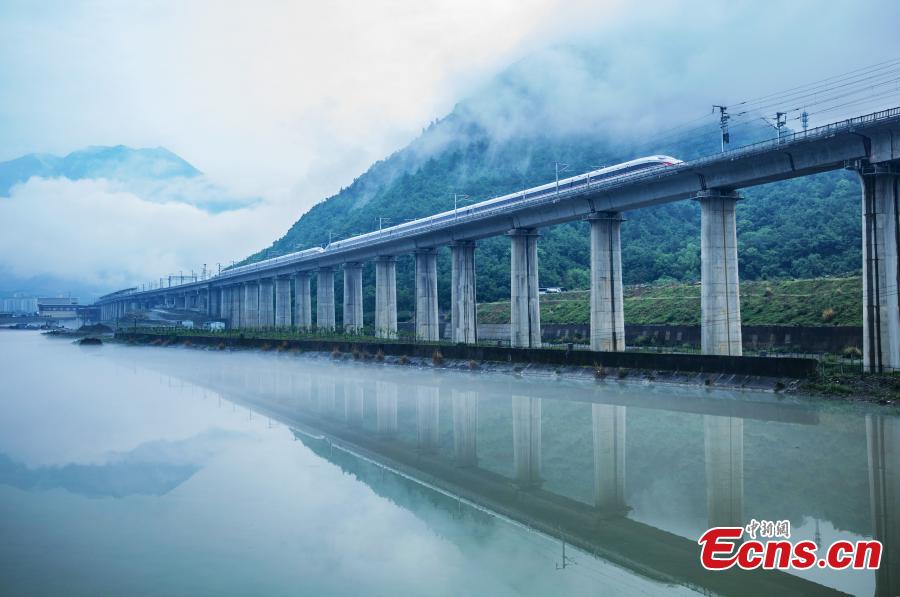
x=820, y=301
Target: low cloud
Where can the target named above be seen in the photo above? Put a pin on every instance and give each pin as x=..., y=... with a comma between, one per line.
x=631, y=71
x=97, y=233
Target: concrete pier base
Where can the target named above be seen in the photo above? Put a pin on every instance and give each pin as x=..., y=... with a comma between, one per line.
x=526, y=420
x=881, y=267
x=427, y=327
x=465, y=426
x=607, y=317
x=428, y=418
x=353, y=298
x=386, y=297
x=462, y=293
x=266, y=303
x=608, y=427
x=525, y=308
x=325, y=299
x=302, y=301
x=720, y=302
x=250, y=302
x=282, y=302
x=724, y=444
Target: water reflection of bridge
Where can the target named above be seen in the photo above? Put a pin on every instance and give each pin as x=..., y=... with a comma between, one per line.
x=357, y=409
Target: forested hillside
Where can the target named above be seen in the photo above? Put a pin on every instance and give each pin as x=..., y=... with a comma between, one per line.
x=802, y=228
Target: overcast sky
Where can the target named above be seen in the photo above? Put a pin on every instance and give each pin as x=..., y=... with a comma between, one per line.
x=289, y=101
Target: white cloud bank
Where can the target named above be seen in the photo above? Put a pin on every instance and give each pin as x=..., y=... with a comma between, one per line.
x=92, y=231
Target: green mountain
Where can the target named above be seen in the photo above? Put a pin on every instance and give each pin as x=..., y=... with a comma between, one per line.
x=510, y=134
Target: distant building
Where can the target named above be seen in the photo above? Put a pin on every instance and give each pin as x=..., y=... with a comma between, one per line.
x=58, y=308
x=87, y=313
x=19, y=305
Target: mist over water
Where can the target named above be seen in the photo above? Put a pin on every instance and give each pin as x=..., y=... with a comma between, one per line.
x=143, y=470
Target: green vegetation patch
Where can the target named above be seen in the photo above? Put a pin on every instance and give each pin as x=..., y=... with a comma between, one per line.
x=814, y=302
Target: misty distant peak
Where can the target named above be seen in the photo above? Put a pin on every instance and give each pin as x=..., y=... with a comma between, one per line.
x=119, y=163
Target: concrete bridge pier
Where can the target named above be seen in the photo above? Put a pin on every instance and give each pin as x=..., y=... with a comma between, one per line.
x=720, y=302
x=302, y=301
x=607, y=316
x=250, y=317
x=724, y=445
x=427, y=327
x=526, y=420
x=525, y=308
x=325, y=299
x=266, y=303
x=883, y=439
x=385, y=407
x=237, y=306
x=180, y=302
x=465, y=425
x=213, y=302
x=386, y=297
x=428, y=418
x=353, y=298
x=881, y=266
x=225, y=304
x=282, y=302
x=608, y=430
x=462, y=293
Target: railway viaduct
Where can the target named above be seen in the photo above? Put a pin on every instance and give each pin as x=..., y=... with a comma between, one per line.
x=276, y=293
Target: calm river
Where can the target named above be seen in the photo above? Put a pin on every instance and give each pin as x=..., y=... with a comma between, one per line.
x=176, y=471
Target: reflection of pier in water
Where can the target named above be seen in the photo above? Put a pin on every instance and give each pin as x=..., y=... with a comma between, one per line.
x=341, y=407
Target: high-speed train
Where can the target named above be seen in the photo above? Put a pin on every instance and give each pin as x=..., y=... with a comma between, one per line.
x=271, y=262
x=640, y=165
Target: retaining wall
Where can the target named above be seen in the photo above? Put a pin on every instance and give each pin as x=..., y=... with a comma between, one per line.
x=756, y=366
x=812, y=339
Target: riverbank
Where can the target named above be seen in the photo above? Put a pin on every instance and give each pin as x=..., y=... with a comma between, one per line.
x=585, y=365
